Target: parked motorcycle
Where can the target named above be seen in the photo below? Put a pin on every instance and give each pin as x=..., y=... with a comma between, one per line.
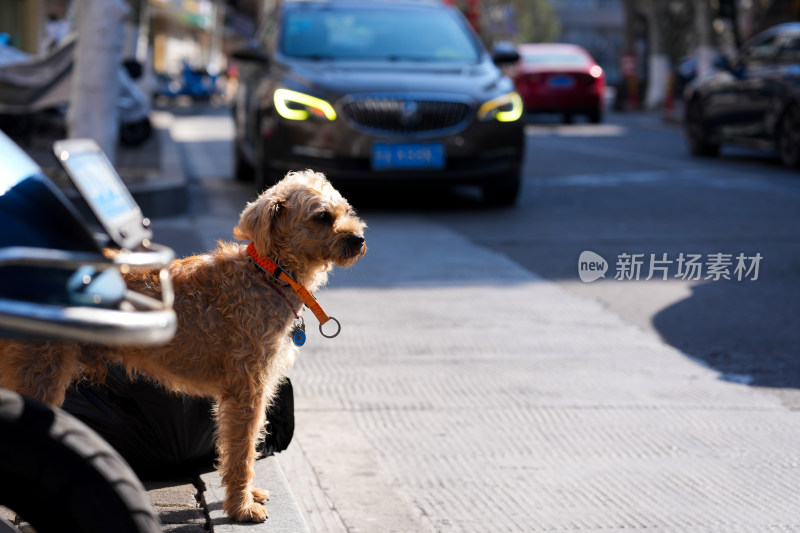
x=198, y=84
x=58, y=281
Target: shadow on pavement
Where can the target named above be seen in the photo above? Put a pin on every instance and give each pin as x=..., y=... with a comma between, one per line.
x=745, y=330
x=399, y=200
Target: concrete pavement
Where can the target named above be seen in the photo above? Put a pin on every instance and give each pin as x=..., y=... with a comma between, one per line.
x=483, y=398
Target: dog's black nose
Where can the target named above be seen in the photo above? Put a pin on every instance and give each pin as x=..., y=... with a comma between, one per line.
x=355, y=242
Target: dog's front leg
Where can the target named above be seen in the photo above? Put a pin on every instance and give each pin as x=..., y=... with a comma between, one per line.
x=240, y=419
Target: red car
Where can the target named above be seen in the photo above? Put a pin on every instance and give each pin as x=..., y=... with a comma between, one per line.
x=560, y=78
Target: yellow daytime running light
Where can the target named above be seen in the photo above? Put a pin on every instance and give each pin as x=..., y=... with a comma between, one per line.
x=492, y=108
x=318, y=107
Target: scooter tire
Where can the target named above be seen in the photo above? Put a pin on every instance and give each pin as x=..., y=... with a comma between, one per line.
x=60, y=476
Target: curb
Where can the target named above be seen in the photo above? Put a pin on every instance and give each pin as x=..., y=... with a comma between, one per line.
x=284, y=514
x=166, y=193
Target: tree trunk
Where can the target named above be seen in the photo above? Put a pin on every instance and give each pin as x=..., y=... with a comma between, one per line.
x=95, y=77
x=658, y=61
x=705, y=49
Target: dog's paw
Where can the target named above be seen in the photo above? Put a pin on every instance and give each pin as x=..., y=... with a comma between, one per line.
x=254, y=512
x=260, y=495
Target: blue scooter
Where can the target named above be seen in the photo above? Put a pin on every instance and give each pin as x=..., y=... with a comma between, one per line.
x=198, y=84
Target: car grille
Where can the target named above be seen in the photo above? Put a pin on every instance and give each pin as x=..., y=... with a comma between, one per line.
x=390, y=115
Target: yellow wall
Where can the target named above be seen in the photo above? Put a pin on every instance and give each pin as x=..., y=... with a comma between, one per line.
x=23, y=21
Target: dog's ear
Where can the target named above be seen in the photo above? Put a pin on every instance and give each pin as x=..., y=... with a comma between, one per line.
x=248, y=221
x=258, y=218
x=275, y=208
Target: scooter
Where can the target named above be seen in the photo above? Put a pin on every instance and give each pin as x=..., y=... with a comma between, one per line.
x=60, y=279
x=199, y=84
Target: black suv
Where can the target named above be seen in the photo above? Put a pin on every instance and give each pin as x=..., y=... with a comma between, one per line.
x=375, y=93
x=753, y=101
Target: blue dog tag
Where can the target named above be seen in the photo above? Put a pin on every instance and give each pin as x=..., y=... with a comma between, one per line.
x=299, y=332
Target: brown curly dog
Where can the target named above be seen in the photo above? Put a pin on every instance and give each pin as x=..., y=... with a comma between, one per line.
x=234, y=323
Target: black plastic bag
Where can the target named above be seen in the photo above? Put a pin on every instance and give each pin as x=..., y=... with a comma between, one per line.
x=162, y=434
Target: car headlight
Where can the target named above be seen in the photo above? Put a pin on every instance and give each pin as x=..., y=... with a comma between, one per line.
x=506, y=108
x=293, y=105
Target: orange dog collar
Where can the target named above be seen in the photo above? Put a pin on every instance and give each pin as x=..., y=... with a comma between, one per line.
x=271, y=268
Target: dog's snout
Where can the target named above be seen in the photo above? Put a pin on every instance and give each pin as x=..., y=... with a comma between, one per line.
x=355, y=242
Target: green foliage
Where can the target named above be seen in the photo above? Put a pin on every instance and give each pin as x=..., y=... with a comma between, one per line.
x=537, y=20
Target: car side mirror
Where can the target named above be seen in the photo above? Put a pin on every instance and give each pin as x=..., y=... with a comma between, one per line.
x=504, y=53
x=250, y=54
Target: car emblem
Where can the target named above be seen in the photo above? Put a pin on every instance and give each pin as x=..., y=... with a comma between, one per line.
x=409, y=114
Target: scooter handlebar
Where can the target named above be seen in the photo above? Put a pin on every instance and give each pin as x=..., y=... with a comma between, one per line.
x=139, y=320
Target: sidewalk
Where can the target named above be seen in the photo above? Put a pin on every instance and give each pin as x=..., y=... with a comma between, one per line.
x=467, y=394
x=195, y=505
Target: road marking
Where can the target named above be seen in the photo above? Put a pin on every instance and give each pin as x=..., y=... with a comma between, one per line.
x=579, y=130
x=657, y=177
x=202, y=129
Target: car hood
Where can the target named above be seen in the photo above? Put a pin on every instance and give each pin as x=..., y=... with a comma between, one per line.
x=335, y=80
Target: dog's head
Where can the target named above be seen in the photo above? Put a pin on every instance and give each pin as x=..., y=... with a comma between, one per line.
x=303, y=224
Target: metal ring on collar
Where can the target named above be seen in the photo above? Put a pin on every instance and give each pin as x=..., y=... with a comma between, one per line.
x=338, y=329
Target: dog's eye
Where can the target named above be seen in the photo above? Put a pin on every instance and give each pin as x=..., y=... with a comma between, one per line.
x=324, y=216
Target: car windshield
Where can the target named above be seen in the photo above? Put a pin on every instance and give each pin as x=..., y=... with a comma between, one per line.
x=554, y=58
x=377, y=34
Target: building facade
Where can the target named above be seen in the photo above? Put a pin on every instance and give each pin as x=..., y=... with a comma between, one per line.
x=598, y=26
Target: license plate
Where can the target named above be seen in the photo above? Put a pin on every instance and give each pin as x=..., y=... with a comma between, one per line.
x=561, y=82
x=407, y=155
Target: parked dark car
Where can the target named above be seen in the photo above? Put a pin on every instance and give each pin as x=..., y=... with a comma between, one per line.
x=686, y=70
x=754, y=101
x=374, y=93
x=560, y=78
